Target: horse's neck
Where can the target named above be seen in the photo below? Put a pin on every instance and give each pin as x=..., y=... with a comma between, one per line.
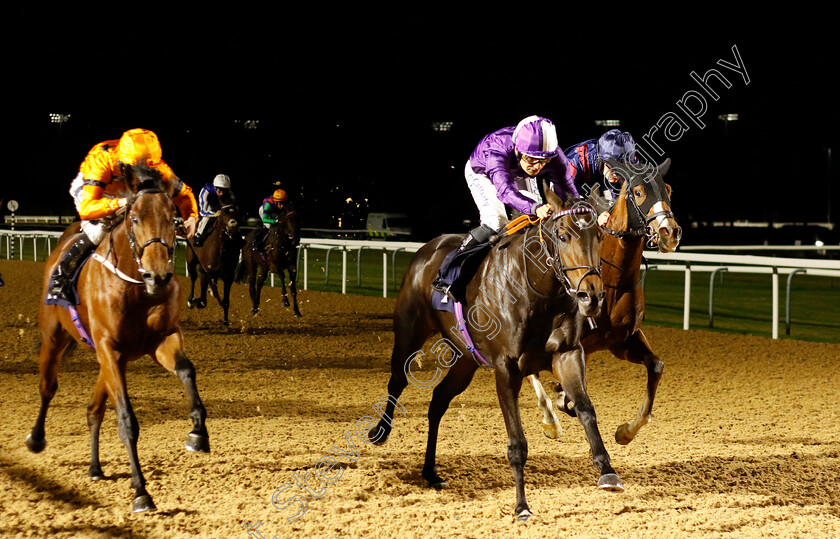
x=624, y=252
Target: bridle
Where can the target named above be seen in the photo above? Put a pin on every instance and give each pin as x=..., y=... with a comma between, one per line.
x=555, y=261
x=638, y=222
x=132, y=238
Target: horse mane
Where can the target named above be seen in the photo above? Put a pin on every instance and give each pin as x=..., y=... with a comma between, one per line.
x=143, y=177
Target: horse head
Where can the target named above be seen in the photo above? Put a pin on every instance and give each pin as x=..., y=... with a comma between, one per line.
x=150, y=227
x=229, y=222
x=649, y=203
x=576, y=259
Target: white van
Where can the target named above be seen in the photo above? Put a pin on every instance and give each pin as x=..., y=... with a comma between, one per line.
x=388, y=226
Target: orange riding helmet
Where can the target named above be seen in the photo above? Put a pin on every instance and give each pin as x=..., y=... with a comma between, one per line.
x=279, y=195
x=139, y=147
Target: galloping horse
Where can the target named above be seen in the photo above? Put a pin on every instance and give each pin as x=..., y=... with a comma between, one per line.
x=280, y=254
x=642, y=215
x=128, y=307
x=219, y=255
x=530, y=322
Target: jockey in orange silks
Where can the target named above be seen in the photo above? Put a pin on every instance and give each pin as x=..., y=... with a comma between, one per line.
x=99, y=192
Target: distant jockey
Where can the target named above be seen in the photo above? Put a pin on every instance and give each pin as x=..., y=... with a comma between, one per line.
x=587, y=162
x=506, y=169
x=99, y=191
x=211, y=199
x=271, y=210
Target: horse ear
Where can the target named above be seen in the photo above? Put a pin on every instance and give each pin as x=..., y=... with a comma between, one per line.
x=668, y=190
x=663, y=168
x=551, y=197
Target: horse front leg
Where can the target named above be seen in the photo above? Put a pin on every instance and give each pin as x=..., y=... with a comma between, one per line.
x=570, y=368
x=508, y=385
x=170, y=355
x=192, y=272
x=112, y=371
x=293, y=288
x=227, y=281
x=53, y=344
x=636, y=349
x=550, y=423
x=255, y=285
x=95, y=414
x=282, y=276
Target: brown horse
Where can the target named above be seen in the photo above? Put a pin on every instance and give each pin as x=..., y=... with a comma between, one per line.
x=128, y=307
x=280, y=254
x=526, y=301
x=219, y=255
x=641, y=215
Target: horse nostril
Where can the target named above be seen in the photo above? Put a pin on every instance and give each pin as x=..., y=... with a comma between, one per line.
x=584, y=297
x=678, y=233
x=664, y=232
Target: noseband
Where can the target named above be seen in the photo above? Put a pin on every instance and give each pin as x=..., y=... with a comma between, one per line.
x=132, y=238
x=639, y=224
x=556, y=262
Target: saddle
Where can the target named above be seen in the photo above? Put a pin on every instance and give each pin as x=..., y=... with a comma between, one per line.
x=461, y=268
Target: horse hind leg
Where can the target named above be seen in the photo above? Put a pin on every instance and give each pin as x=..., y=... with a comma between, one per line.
x=550, y=423
x=53, y=347
x=636, y=349
x=409, y=336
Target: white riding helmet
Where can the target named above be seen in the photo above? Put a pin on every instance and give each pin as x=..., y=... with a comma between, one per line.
x=222, y=180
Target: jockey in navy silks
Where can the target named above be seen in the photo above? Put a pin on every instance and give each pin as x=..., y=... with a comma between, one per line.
x=506, y=170
x=587, y=164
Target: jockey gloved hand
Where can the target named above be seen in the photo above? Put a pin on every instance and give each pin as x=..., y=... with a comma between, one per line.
x=543, y=211
x=188, y=231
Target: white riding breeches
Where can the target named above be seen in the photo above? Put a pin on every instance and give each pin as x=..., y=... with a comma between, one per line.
x=491, y=210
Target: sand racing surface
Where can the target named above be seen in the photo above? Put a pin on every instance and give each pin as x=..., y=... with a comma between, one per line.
x=745, y=438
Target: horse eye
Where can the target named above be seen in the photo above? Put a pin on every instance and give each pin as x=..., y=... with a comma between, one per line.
x=134, y=219
x=562, y=238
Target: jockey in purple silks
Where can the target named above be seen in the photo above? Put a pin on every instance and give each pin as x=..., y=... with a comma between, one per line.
x=587, y=163
x=506, y=169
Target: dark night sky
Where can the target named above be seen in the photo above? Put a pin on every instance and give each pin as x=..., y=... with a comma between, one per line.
x=345, y=108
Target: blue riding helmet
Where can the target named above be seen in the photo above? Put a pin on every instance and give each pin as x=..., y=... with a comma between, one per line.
x=617, y=145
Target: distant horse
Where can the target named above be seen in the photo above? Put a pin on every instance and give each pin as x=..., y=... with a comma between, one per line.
x=280, y=254
x=642, y=215
x=527, y=301
x=129, y=306
x=219, y=255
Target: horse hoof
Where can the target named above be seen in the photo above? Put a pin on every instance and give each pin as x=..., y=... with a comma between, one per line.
x=36, y=446
x=142, y=503
x=190, y=304
x=198, y=442
x=622, y=435
x=286, y=302
x=201, y=304
x=439, y=485
x=610, y=482
x=297, y=314
x=97, y=476
x=255, y=311
x=524, y=515
x=552, y=431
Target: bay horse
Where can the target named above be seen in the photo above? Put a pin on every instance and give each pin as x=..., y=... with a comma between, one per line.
x=128, y=307
x=219, y=255
x=551, y=281
x=641, y=217
x=280, y=255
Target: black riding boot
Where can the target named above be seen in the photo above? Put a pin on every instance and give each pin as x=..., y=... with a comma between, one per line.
x=59, y=285
x=476, y=236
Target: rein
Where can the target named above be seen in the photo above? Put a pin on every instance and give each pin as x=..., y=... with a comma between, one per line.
x=132, y=242
x=555, y=262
